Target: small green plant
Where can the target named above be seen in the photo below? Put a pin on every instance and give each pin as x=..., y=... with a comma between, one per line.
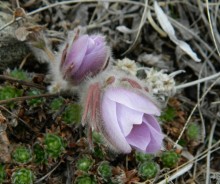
x=105, y=170
x=23, y=176
x=141, y=157
x=19, y=74
x=98, y=152
x=85, y=179
x=54, y=145
x=168, y=115
x=147, y=170
x=8, y=92
x=22, y=155
x=56, y=103
x=72, y=113
x=84, y=163
x=35, y=101
x=97, y=137
x=40, y=155
x=182, y=142
x=192, y=131
x=2, y=174
x=169, y=158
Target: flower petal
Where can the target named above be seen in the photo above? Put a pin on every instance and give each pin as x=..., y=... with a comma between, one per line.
x=77, y=52
x=133, y=100
x=156, y=135
x=111, y=126
x=139, y=137
x=152, y=121
x=91, y=45
x=96, y=42
x=93, y=62
x=127, y=117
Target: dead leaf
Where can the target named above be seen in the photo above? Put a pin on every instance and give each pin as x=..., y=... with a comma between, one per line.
x=29, y=33
x=21, y=33
x=168, y=28
x=125, y=30
x=19, y=12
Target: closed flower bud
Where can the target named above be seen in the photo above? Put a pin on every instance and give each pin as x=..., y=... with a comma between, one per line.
x=86, y=56
x=80, y=57
x=124, y=112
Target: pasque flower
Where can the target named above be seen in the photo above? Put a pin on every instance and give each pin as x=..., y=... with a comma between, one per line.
x=85, y=56
x=82, y=56
x=124, y=112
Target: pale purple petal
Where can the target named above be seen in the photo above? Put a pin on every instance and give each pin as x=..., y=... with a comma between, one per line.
x=111, y=126
x=133, y=100
x=95, y=60
x=155, y=134
x=91, y=45
x=152, y=121
x=76, y=53
x=127, y=117
x=98, y=49
x=99, y=39
x=95, y=43
x=91, y=64
x=146, y=137
x=85, y=57
x=139, y=137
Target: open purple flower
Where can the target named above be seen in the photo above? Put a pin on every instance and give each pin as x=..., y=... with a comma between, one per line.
x=85, y=56
x=129, y=121
x=124, y=113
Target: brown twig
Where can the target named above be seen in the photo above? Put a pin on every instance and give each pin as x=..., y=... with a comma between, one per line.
x=14, y=115
x=26, y=98
x=49, y=173
x=22, y=82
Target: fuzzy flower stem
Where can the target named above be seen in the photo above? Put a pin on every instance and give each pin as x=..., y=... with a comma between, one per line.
x=88, y=101
x=96, y=101
x=186, y=85
x=92, y=103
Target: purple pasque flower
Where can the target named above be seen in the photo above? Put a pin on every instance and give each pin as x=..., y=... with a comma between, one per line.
x=84, y=57
x=128, y=119
x=125, y=114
